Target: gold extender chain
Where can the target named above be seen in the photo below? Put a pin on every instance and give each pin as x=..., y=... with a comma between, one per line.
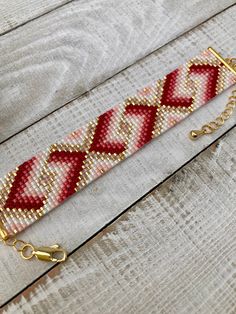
x=214, y=125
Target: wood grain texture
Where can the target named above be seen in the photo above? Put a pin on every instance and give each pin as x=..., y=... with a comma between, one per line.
x=15, y=13
x=61, y=55
x=84, y=214
x=173, y=252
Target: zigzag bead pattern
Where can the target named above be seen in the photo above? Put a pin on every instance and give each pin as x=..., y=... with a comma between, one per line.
x=46, y=180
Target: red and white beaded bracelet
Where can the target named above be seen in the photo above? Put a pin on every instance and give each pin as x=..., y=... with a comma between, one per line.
x=46, y=180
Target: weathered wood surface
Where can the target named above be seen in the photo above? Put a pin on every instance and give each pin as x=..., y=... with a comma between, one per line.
x=14, y=13
x=94, y=207
x=60, y=55
x=173, y=252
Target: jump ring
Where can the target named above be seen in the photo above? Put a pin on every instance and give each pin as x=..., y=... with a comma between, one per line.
x=27, y=248
x=18, y=245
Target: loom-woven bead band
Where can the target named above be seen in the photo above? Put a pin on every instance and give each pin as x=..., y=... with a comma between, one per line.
x=43, y=182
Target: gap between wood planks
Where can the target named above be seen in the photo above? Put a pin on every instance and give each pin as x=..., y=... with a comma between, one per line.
x=118, y=216
x=36, y=17
x=102, y=82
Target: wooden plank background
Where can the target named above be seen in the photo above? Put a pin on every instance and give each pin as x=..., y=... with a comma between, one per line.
x=30, y=63
x=173, y=252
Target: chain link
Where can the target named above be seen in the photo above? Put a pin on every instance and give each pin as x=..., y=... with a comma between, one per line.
x=25, y=249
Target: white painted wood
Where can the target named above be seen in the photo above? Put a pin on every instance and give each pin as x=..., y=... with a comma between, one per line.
x=173, y=252
x=59, y=56
x=85, y=213
x=14, y=13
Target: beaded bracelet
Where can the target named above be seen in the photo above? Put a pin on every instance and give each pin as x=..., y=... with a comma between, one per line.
x=46, y=180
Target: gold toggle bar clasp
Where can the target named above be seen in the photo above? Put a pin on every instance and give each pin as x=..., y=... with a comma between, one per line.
x=3, y=234
x=226, y=62
x=53, y=253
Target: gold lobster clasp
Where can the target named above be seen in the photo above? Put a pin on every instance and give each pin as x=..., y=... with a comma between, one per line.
x=53, y=253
